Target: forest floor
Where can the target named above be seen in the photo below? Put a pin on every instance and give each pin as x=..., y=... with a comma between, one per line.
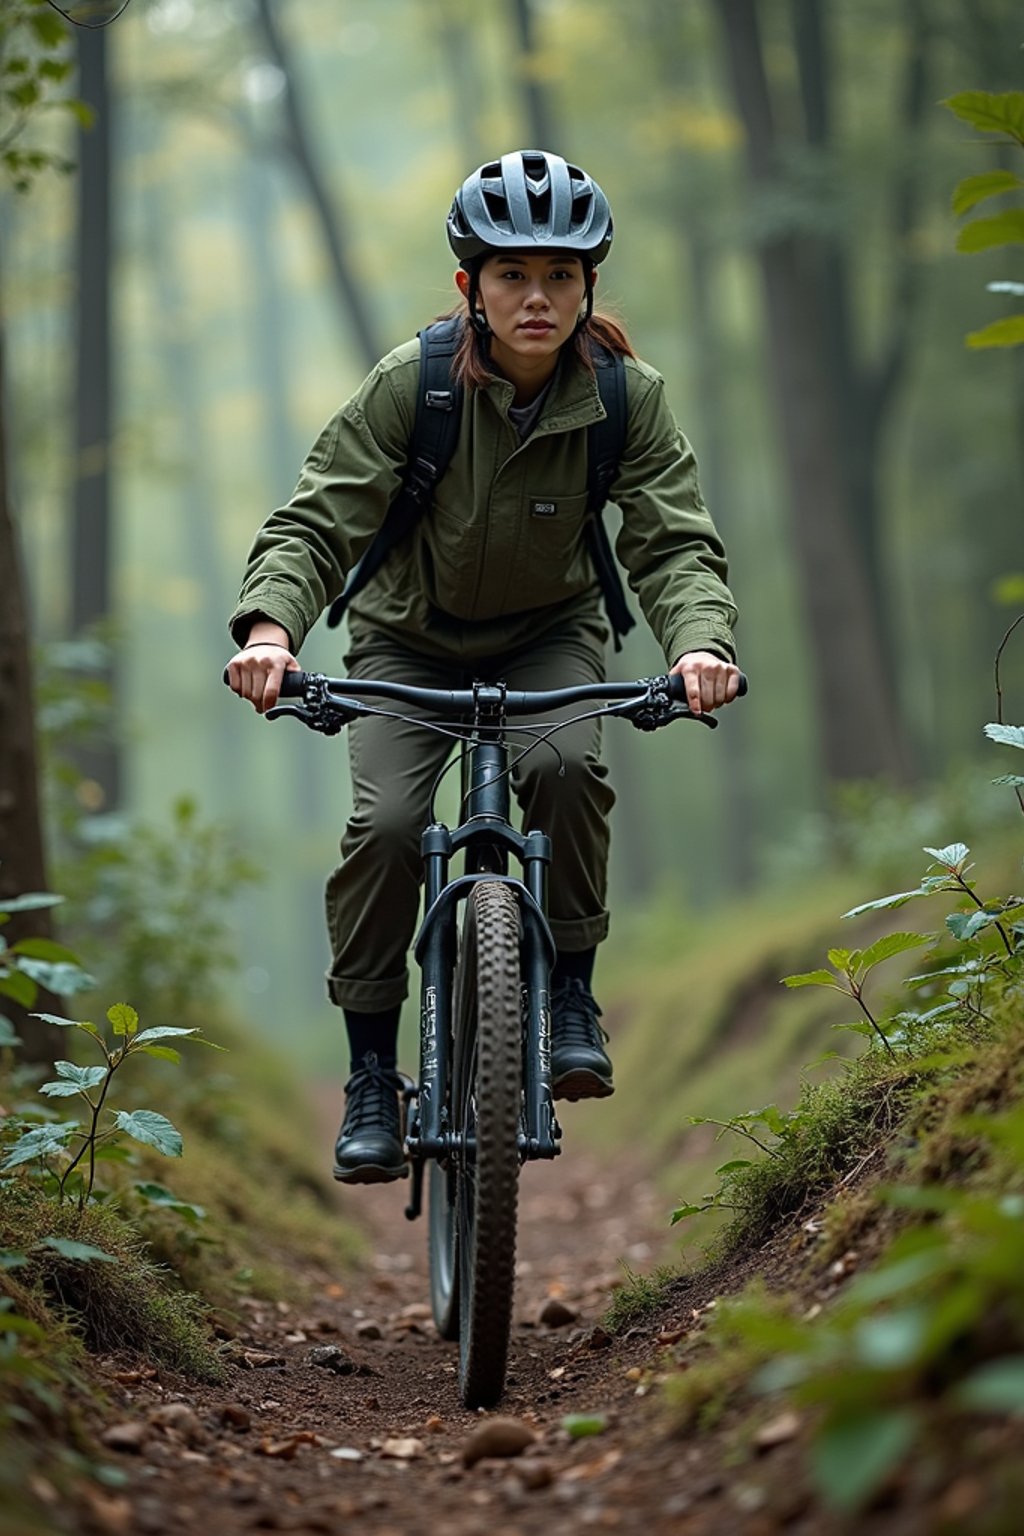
x=343, y=1411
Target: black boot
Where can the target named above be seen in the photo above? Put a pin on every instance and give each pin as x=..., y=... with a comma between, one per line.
x=580, y=1068
x=369, y=1146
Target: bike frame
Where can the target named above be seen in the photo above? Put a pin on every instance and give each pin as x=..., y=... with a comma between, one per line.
x=490, y=841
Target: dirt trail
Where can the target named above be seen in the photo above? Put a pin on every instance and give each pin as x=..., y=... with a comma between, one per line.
x=362, y=1372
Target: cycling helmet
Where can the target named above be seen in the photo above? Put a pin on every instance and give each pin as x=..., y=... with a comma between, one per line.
x=529, y=198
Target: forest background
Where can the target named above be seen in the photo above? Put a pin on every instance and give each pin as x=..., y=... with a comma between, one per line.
x=265, y=187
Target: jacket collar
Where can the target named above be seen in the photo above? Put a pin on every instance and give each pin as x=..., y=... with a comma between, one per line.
x=573, y=399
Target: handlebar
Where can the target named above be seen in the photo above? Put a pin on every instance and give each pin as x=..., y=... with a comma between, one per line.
x=328, y=704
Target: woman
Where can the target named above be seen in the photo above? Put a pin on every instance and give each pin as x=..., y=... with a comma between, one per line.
x=495, y=581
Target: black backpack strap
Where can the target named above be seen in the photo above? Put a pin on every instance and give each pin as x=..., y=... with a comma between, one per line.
x=435, y=434
x=606, y=441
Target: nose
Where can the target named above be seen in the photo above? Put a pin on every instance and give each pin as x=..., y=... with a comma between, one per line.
x=536, y=298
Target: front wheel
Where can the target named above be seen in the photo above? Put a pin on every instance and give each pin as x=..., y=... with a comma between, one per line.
x=486, y=1093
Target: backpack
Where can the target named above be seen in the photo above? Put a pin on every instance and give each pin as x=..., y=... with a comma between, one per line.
x=434, y=436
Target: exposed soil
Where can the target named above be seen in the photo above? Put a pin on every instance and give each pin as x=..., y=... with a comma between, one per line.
x=345, y=1413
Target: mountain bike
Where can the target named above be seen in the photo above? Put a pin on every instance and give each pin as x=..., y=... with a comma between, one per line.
x=483, y=1103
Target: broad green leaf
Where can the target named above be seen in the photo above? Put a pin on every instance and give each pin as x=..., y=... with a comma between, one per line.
x=1006, y=228
x=82, y=1077
x=1014, y=780
x=162, y=1032
x=1008, y=735
x=580, y=1425
x=18, y=987
x=154, y=1130
x=162, y=1052
x=853, y=1455
x=821, y=978
x=892, y=1340
x=991, y=111
x=8, y=1034
x=840, y=958
x=123, y=1019
x=996, y=1388
x=974, y=189
x=1006, y=285
x=953, y=855
x=964, y=925
x=157, y=1194
x=56, y=1018
x=61, y=978
x=31, y=902
x=893, y=944
x=10, y=1258
x=1007, y=332
x=731, y=1167
x=48, y=27
x=42, y=1141
x=45, y=949
x=899, y=899
x=770, y=1115
x=69, y=1249
x=682, y=1212
x=858, y=1027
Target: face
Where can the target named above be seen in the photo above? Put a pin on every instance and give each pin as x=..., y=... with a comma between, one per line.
x=532, y=303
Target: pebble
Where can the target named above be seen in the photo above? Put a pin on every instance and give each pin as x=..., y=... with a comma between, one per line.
x=368, y=1329
x=556, y=1314
x=234, y=1416
x=497, y=1437
x=130, y=1437
x=330, y=1358
x=534, y=1473
x=182, y=1419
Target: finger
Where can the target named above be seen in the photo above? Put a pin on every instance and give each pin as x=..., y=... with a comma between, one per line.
x=733, y=685
x=693, y=692
x=272, y=685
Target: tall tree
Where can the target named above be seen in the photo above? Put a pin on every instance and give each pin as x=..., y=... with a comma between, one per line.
x=92, y=544
x=537, y=108
x=807, y=332
x=325, y=205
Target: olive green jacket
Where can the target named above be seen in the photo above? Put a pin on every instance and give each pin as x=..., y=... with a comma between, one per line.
x=500, y=558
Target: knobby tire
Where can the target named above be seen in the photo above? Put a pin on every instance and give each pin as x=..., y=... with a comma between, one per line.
x=486, y=1093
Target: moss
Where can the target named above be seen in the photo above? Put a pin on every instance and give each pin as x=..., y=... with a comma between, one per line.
x=639, y=1298
x=130, y=1304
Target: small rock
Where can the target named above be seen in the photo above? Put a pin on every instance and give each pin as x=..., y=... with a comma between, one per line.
x=234, y=1416
x=346, y=1453
x=130, y=1437
x=181, y=1418
x=110, y=1512
x=777, y=1431
x=406, y=1449
x=259, y=1360
x=368, y=1329
x=534, y=1473
x=598, y=1338
x=419, y=1310
x=497, y=1437
x=555, y=1314
x=330, y=1358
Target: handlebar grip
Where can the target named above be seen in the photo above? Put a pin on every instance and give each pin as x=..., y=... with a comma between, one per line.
x=677, y=687
x=292, y=685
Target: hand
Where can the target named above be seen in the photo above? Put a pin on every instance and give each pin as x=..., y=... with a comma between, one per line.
x=710, y=681
x=255, y=672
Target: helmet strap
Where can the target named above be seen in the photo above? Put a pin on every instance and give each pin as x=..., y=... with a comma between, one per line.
x=585, y=318
x=477, y=318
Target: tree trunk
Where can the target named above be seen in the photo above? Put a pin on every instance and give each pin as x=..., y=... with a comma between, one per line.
x=92, y=554
x=861, y=733
x=536, y=99
x=457, y=39
x=300, y=144
x=22, y=857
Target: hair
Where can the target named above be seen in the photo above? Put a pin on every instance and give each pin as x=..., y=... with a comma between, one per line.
x=471, y=365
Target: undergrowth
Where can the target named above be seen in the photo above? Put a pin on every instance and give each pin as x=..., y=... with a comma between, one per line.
x=906, y=1172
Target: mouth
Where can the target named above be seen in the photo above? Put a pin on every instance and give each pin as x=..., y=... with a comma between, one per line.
x=540, y=326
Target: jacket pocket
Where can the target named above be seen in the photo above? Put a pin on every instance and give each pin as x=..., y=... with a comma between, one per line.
x=450, y=551
x=553, y=559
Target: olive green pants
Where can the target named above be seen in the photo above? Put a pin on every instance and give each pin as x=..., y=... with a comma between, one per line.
x=373, y=895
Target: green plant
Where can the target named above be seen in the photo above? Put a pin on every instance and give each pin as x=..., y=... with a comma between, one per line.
x=1001, y=113
x=32, y=963
x=34, y=59
x=50, y=1144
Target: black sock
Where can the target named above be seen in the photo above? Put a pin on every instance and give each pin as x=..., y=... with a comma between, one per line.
x=377, y=1032
x=578, y=963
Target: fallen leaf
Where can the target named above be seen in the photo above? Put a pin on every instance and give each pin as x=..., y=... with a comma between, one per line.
x=585, y=1470
x=580, y=1425
x=129, y=1378
x=287, y=1449
x=257, y=1360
